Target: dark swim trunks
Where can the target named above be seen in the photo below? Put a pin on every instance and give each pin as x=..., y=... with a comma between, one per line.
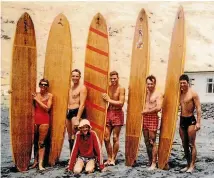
x=185, y=122
x=73, y=113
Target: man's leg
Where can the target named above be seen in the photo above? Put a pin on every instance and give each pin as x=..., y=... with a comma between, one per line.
x=74, y=126
x=185, y=143
x=43, y=131
x=78, y=166
x=191, y=138
x=108, y=146
x=148, y=146
x=152, y=142
x=69, y=130
x=116, y=133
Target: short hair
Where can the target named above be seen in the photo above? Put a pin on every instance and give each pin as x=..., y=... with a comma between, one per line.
x=76, y=70
x=152, y=78
x=184, y=77
x=114, y=73
x=44, y=80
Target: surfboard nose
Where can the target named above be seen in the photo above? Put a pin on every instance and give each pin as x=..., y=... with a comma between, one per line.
x=99, y=18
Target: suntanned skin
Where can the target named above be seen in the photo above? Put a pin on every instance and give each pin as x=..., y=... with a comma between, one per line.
x=153, y=104
x=116, y=99
x=189, y=101
x=77, y=98
x=43, y=95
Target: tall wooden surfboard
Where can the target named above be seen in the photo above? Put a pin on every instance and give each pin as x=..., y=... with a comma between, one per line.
x=23, y=84
x=137, y=87
x=171, y=96
x=96, y=74
x=58, y=61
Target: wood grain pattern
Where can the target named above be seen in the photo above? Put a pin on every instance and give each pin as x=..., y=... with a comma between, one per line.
x=23, y=84
x=96, y=74
x=58, y=61
x=172, y=89
x=137, y=87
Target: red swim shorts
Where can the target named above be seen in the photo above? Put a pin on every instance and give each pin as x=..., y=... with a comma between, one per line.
x=150, y=122
x=115, y=118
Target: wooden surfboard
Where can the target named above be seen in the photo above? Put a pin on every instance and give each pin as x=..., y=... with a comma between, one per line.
x=172, y=90
x=96, y=74
x=58, y=61
x=137, y=87
x=23, y=84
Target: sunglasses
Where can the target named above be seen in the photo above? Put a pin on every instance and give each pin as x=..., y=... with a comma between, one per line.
x=43, y=84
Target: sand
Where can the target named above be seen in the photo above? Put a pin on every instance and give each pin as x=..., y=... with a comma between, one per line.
x=204, y=163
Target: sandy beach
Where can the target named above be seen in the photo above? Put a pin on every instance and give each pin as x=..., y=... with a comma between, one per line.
x=121, y=18
x=204, y=163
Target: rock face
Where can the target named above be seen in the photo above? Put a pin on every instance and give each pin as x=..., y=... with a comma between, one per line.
x=207, y=110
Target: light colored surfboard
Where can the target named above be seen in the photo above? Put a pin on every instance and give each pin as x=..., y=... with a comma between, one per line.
x=137, y=87
x=58, y=61
x=171, y=96
x=96, y=74
x=23, y=84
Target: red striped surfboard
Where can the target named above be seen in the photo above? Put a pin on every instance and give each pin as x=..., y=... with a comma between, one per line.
x=96, y=74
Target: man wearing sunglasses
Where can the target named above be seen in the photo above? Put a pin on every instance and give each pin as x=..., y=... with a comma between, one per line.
x=76, y=106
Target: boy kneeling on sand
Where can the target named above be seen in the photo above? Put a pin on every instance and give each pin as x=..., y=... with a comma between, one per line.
x=86, y=151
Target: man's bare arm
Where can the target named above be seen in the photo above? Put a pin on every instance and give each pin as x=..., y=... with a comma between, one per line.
x=83, y=96
x=158, y=107
x=198, y=106
x=119, y=102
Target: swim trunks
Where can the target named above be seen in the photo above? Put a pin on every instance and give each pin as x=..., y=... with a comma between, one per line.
x=150, y=121
x=73, y=113
x=185, y=122
x=115, y=118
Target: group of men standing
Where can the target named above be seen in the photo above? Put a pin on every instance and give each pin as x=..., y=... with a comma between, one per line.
x=115, y=98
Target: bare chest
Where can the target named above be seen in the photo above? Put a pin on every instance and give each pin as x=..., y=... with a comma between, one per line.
x=186, y=99
x=114, y=93
x=75, y=93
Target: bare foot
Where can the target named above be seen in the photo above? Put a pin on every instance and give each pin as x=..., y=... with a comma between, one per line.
x=184, y=169
x=107, y=163
x=41, y=168
x=190, y=170
x=152, y=167
x=34, y=165
x=112, y=163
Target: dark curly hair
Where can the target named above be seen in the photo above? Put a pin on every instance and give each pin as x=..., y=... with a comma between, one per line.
x=184, y=77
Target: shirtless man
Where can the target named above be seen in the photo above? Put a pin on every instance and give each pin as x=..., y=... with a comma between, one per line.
x=189, y=100
x=153, y=105
x=76, y=106
x=115, y=116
